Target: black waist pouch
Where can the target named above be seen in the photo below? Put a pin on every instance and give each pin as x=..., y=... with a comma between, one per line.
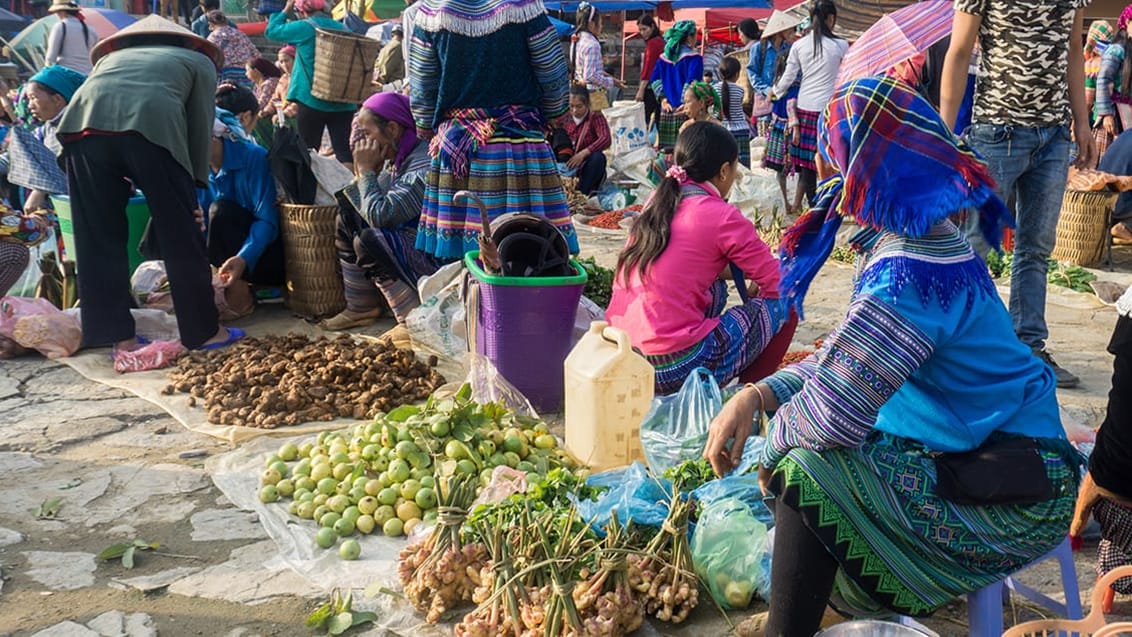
x=1004, y=471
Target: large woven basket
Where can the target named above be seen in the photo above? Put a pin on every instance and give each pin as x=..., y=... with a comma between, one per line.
x=343, y=66
x=1082, y=231
x=314, y=278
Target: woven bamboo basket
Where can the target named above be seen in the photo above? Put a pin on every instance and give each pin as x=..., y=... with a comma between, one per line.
x=343, y=66
x=314, y=278
x=1082, y=230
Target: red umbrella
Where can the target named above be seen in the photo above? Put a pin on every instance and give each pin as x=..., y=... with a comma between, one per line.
x=895, y=37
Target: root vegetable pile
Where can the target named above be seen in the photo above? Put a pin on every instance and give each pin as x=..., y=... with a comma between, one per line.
x=286, y=380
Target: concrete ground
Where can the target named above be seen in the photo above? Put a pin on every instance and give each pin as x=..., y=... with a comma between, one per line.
x=125, y=470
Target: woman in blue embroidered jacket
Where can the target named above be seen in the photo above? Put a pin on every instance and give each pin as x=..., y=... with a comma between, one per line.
x=677, y=67
x=378, y=216
x=485, y=79
x=925, y=362
x=243, y=222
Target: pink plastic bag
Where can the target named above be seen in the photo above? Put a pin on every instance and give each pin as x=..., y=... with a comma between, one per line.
x=155, y=355
x=55, y=335
x=13, y=308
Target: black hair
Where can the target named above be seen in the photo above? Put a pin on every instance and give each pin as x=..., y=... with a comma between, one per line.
x=583, y=15
x=236, y=99
x=210, y=5
x=821, y=11
x=701, y=150
x=647, y=20
x=728, y=72
x=780, y=67
x=579, y=90
x=749, y=28
x=1125, y=83
x=931, y=74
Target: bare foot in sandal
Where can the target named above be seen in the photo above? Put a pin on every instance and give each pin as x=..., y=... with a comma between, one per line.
x=349, y=319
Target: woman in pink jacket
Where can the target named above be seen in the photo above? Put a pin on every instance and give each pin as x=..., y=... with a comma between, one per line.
x=670, y=287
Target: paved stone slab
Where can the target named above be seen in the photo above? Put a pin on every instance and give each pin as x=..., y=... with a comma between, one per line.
x=12, y=462
x=226, y=524
x=243, y=578
x=61, y=571
x=9, y=387
x=157, y=581
x=118, y=624
x=67, y=629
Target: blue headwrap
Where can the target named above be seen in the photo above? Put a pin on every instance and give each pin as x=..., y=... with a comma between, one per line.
x=900, y=169
x=228, y=126
x=60, y=79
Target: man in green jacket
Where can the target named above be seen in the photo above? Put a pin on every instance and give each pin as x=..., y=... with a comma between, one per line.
x=143, y=119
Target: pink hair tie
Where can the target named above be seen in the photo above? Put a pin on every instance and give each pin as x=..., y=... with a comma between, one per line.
x=678, y=173
x=1125, y=17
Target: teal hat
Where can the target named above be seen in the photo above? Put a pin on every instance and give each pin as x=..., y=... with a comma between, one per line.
x=60, y=79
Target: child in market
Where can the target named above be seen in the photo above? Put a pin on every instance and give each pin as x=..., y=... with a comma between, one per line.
x=700, y=99
x=669, y=289
x=733, y=118
x=783, y=126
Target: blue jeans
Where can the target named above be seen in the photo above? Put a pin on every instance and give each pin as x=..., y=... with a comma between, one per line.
x=1030, y=164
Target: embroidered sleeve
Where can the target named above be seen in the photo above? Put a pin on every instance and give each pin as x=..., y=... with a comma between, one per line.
x=549, y=64
x=871, y=355
x=392, y=205
x=599, y=129
x=1112, y=61
x=424, y=66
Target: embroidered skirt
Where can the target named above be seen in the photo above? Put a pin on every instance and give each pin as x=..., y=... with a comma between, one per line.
x=508, y=175
x=743, y=138
x=1115, y=548
x=742, y=334
x=902, y=548
x=803, y=151
x=777, y=155
x=668, y=129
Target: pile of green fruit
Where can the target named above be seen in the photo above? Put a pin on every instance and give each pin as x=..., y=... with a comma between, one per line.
x=382, y=476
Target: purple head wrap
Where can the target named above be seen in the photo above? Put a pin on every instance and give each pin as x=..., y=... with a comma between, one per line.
x=394, y=107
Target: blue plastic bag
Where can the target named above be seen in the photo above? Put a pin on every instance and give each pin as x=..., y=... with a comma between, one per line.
x=633, y=494
x=676, y=428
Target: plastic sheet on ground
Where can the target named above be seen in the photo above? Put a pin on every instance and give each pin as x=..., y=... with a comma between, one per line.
x=95, y=365
x=236, y=474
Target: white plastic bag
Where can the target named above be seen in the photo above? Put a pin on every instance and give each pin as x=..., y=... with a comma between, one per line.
x=635, y=164
x=331, y=176
x=148, y=277
x=439, y=322
x=627, y=127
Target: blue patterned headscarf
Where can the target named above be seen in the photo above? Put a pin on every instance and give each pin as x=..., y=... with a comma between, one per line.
x=60, y=79
x=900, y=169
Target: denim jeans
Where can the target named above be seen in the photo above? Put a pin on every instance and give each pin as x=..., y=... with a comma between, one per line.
x=1031, y=164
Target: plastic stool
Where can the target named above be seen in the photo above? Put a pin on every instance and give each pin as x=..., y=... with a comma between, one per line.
x=984, y=606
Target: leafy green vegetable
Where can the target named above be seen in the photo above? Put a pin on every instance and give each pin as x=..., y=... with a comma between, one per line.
x=599, y=284
x=1066, y=275
x=690, y=474
x=843, y=254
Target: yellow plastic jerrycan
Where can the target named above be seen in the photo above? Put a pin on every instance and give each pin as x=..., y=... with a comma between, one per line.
x=609, y=389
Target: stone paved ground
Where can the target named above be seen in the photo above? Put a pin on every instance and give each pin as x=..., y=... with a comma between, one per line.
x=125, y=471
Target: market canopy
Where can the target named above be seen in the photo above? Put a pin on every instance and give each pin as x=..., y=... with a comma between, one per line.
x=30, y=46
x=11, y=23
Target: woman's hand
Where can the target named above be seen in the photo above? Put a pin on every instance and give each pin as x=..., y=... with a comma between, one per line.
x=578, y=159
x=796, y=135
x=753, y=290
x=641, y=92
x=1109, y=124
x=733, y=424
x=291, y=109
x=665, y=106
x=764, y=479
x=369, y=156
x=232, y=270
x=619, y=83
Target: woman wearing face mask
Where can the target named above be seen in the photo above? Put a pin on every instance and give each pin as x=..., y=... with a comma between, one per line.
x=379, y=214
x=243, y=222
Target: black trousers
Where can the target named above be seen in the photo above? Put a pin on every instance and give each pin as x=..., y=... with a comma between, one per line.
x=97, y=169
x=652, y=106
x=591, y=174
x=802, y=577
x=1111, y=461
x=228, y=226
x=310, y=123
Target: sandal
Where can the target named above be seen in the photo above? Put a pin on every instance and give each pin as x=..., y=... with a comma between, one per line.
x=234, y=334
x=755, y=625
x=346, y=320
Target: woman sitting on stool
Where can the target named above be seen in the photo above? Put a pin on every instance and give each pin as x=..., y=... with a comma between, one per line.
x=589, y=134
x=243, y=222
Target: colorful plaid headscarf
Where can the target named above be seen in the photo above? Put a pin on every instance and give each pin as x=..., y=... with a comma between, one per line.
x=900, y=169
x=705, y=91
x=1100, y=34
x=674, y=38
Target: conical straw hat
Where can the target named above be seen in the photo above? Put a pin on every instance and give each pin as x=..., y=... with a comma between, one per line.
x=155, y=30
x=780, y=21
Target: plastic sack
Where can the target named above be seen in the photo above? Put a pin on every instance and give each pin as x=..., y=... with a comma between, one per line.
x=676, y=428
x=587, y=313
x=728, y=548
x=505, y=482
x=626, y=127
x=55, y=335
x=740, y=485
x=149, y=276
x=438, y=323
x=636, y=164
x=13, y=308
x=331, y=176
x=155, y=355
x=633, y=494
x=489, y=386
